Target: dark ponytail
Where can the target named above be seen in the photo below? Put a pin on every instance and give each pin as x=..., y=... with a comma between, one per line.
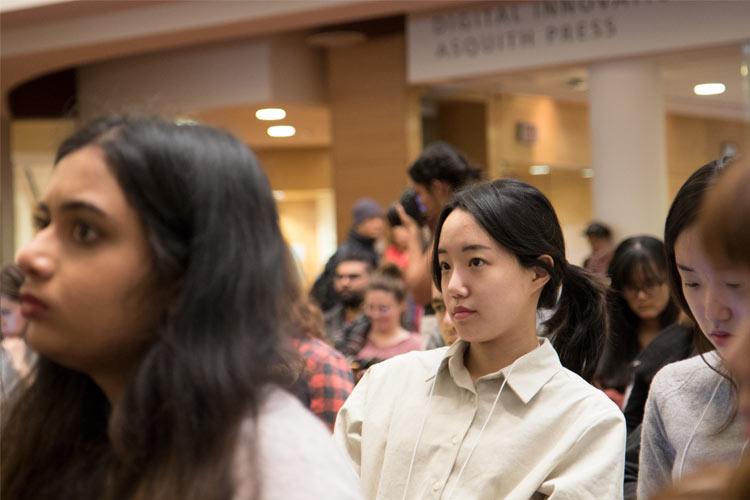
x=521, y=219
x=578, y=327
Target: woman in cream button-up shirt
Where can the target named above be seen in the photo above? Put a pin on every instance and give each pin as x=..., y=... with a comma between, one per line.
x=496, y=415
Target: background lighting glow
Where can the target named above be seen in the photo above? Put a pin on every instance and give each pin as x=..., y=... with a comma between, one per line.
x=281, y=131
x=709, y=89
x=270, y=114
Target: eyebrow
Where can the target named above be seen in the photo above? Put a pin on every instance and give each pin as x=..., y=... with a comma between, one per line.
x=685, y=268
x=467, y=248
x=74, y=205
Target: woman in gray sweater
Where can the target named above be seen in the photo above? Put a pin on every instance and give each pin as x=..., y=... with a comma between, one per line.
x=690, y=416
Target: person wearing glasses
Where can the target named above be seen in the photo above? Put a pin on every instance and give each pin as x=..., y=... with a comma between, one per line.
x=384, y=304
x=640, y=308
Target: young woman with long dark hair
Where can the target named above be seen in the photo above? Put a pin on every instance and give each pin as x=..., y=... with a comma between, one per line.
x=153, y=292
x=501, y=413
x=691, y=411
x=641, y=307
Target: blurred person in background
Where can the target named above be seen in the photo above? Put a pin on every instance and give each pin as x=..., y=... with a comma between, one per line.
x=384, y=304
x=16, y=359
x=641, y=307
x=435, y=175
x=345, y=324
x=599, y=236
x=325, y=379
x=368, y=226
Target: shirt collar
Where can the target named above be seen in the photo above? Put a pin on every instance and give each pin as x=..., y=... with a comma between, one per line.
x=530, y=372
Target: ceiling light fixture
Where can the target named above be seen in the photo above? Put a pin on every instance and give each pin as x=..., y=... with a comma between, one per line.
x=281, y=131
x=539, y=169
x=268, y=114
x=587, y=173
x=709, y=89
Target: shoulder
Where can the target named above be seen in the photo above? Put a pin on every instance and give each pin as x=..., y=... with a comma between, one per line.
x=295, y=453
x=685, y=377
x=587, y=399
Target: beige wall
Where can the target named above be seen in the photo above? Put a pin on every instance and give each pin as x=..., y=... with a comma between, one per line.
x=563, y=142
x=375, y=123
x=462, y=123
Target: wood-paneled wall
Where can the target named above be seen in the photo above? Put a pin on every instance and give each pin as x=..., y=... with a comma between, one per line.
x=375, y=123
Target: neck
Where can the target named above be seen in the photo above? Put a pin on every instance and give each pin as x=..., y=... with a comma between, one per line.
x=482, y=358
x=350, y=314
x=649, y=329
x=385, y=338
x=112, y=385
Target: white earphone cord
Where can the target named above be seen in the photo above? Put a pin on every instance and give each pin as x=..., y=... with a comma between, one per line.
x=471, y=452
x=695, y=430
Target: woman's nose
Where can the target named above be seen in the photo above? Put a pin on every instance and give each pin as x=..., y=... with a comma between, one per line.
x=35, y=258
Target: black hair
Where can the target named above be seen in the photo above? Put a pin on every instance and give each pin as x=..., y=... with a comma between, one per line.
x=212, y=228
x=11, y=279
x=388, y=279
x=347, y=254
x=521, y=219
x=639, y=262
x=440, y=161
x=598, y=230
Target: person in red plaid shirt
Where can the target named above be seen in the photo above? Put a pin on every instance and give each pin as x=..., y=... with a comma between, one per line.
x=326, y=379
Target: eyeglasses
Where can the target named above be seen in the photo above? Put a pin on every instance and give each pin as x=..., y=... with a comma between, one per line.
x=649, y=290
x=380, y=309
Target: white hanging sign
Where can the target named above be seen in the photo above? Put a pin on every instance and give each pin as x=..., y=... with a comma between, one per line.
x=490, y=38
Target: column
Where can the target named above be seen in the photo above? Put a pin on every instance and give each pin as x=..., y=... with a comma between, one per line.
x=628, y=147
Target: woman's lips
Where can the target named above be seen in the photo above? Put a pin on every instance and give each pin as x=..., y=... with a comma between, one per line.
x=721, y=338
x=31, y=306
x=461, y=313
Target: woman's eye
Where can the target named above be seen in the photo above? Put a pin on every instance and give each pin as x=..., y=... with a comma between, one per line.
x=40, y=222
x=734, y=285
x=84, y=233
x=444, y=266
x=475, y=262
x=690, y=285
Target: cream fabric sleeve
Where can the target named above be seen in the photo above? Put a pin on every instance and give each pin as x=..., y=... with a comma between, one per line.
x=657, y=454
x=593, y=468
x=348, y=428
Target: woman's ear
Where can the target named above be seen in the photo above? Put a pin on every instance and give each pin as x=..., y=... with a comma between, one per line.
x=541, y=275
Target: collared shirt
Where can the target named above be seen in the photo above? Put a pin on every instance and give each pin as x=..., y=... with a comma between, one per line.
x=551, y=434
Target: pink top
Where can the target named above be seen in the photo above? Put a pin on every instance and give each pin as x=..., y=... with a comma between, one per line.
x=370, y=350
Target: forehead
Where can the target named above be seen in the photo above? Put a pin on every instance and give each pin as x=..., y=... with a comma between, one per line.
x=461, y=229
x=84, y=174
x=379, y=296
x=688, y=249
x=351, y=267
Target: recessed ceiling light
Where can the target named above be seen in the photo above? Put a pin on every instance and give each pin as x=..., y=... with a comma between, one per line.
x=270, y=114
x=539, y=169
x=709, y=89
x=281, y=131
x=587, y=173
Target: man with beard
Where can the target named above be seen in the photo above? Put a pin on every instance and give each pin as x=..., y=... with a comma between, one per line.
x=346, y=325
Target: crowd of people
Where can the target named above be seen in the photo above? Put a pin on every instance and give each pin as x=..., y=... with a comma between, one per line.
x=158, y=341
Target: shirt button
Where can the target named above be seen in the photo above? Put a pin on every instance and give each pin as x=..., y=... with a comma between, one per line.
x=454, y=440
x=435, y=486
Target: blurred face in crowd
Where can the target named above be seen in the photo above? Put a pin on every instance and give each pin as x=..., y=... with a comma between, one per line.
x=384, y=310
x=11, y=320
x=87, y=296
x=646, y=298
x=400, y=236
x=717, y=297
x=445, y=323
x=372, y=227
x=433, y=197
x=350, y=280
